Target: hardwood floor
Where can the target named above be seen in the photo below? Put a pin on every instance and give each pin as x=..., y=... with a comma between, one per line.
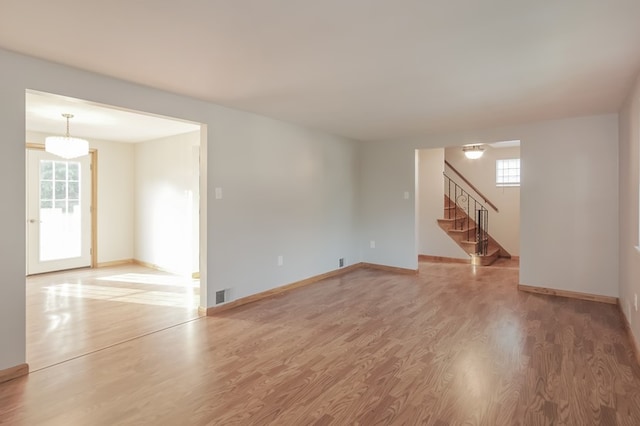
x=453, y=345
x=77, y=312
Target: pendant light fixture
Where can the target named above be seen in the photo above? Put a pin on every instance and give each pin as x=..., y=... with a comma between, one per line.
x=473, y=152
x=66, y=146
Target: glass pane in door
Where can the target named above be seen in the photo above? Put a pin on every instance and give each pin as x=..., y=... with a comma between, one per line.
x=60, y=214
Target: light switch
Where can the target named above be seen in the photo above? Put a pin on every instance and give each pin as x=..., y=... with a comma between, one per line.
x=218, y=193
x=406, y=195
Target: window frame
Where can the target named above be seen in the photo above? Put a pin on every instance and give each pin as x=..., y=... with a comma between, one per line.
x=504, y=165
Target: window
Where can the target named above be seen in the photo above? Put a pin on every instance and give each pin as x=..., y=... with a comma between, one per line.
x=60, y=211
x=508, y=172
x=60, y=185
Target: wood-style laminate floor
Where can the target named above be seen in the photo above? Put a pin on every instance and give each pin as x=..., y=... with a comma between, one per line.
x=73, y=313
x=454, y=345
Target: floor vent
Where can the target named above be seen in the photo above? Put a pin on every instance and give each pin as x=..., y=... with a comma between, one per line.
x=221, y=296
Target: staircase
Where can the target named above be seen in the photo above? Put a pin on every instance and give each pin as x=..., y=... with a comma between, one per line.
x=466, y=221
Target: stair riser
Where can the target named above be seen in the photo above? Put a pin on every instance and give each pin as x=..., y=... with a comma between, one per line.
x=451, y=213
x=450, y=224
x=485, y=260
x=472, y=248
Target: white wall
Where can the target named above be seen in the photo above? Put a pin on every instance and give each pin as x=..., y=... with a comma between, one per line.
x=166, y=196
x=569, y=207
x=288, y=190
x=12, y=218
x=504, y=225
x=386, y=216
x=115, y=197
x=629, y=214
x=432, y=240
x=569, y=164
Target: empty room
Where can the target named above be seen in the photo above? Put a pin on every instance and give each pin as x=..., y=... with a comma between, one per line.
x=112, y=241
x=407, y=212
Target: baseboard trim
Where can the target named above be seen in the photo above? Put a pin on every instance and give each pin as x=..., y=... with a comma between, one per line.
x=393, y=269
x=570, y=294
x=279, y=290
x=148, y=265
x=161, y=269
x=632, y=338
x=14, y=372
x=211, y=311
x=441, y=259
x=115, y=263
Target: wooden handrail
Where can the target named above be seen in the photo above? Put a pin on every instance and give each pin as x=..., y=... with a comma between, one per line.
x=486, y=200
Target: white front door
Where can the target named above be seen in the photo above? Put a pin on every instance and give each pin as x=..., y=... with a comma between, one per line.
x=58, y=212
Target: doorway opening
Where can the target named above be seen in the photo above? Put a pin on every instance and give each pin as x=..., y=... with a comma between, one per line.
x=465, y=210
x=136, y=217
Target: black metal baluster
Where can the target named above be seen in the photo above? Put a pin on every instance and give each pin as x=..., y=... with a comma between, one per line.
x=481, y=215
x=486, y=231
x=480, y=240
x=469, y=218
x=449, y=195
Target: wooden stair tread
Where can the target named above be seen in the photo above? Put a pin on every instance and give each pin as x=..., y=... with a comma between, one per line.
x=473, y=242
x=485, y=259
x=490, y=252
x=453, y=219
x=463, y=230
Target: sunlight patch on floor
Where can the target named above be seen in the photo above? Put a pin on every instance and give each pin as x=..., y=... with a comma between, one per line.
x=172, y=280
x=126, y=295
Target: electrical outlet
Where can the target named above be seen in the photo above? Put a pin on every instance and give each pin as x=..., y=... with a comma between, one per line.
x=406, y=195
x=280, y=260
x=635, y=301
x=341, y=262
x=218, y=193
x=372, y=244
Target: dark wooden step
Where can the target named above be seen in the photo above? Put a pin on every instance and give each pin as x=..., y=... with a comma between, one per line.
x=487, y=259
x=463, y=230
x=473, y=242
x=453, y=219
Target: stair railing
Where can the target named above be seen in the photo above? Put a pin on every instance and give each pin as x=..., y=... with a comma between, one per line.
x=472, y=186
x=473, y=208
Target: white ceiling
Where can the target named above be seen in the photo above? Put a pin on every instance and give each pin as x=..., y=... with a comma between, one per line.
x=505, y=144
x=367, y=69
x=92, y=121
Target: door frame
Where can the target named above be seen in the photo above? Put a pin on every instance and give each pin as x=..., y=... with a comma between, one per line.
x=93, y=154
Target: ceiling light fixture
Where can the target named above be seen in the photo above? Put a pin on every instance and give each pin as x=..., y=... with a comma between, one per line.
x=473, y=152
x=66, y=146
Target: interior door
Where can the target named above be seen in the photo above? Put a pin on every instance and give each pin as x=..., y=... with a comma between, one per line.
x=58, y=212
